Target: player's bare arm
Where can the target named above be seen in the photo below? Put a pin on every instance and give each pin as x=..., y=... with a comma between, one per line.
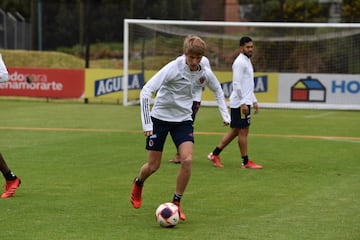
x=256, y=107
x=244, y=109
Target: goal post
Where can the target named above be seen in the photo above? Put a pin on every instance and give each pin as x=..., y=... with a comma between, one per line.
x=297, y=65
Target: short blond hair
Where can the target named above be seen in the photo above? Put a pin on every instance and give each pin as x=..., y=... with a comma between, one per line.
x=194, y=45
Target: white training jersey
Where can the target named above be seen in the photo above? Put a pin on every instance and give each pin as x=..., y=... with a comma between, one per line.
x=175, y=86
x=213, y=84
x=198, y=89
x=4, y=75
x=243, y=82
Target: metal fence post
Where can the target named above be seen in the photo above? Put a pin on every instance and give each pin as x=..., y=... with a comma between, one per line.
x=3, y=29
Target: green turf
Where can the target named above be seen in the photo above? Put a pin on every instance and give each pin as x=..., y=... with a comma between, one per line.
x=77, y=162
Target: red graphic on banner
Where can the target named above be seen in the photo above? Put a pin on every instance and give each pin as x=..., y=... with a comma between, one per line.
x=44, y=82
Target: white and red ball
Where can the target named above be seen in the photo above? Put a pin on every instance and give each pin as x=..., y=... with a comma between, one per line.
x=167, y=215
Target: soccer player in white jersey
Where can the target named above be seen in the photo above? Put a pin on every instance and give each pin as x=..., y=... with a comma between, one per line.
x=213, y=84
x=241, y=99
x=171, y=113
x=12, y=181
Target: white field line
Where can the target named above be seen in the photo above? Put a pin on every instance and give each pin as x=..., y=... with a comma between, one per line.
x=337, y=138
x=318, y=115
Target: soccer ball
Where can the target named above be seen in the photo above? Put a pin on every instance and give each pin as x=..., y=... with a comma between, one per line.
x=167, y=215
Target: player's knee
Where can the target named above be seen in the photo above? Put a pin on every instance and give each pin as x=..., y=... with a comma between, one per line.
x=187, y=161
x=153, y=167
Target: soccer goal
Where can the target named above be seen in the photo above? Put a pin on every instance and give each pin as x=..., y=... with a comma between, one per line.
x=297, y=65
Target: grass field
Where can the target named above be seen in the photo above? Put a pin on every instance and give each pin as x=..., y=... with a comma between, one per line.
x=77, y=162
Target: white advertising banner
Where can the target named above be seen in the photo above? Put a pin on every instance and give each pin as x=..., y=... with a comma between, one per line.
x=319, y=88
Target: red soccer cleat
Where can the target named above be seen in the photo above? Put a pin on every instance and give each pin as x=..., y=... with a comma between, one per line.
x=135, y=197
x=10, y=187
x=215, y=159
x=181, y=214
x=252, y=165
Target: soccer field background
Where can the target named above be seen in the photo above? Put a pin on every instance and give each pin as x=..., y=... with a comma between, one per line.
x=77, y=162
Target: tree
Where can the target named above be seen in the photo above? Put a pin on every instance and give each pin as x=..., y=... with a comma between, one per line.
x=21, y=6
x=351, y=10
x=286, y=10
x=303, y=11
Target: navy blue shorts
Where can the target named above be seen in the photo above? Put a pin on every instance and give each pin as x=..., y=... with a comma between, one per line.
x=180, y=132
x=238, y=119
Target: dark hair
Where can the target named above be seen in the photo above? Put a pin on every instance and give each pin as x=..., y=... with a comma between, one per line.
x=244, y=40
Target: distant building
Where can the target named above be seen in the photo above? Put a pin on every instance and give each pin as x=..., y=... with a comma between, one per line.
x=234, y=11
x=212, y=10
x=220, y=10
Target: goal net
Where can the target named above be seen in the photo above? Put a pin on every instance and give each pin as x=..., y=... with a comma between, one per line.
x=302, y=65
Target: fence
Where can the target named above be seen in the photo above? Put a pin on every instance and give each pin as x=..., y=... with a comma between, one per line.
x=15, y=32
